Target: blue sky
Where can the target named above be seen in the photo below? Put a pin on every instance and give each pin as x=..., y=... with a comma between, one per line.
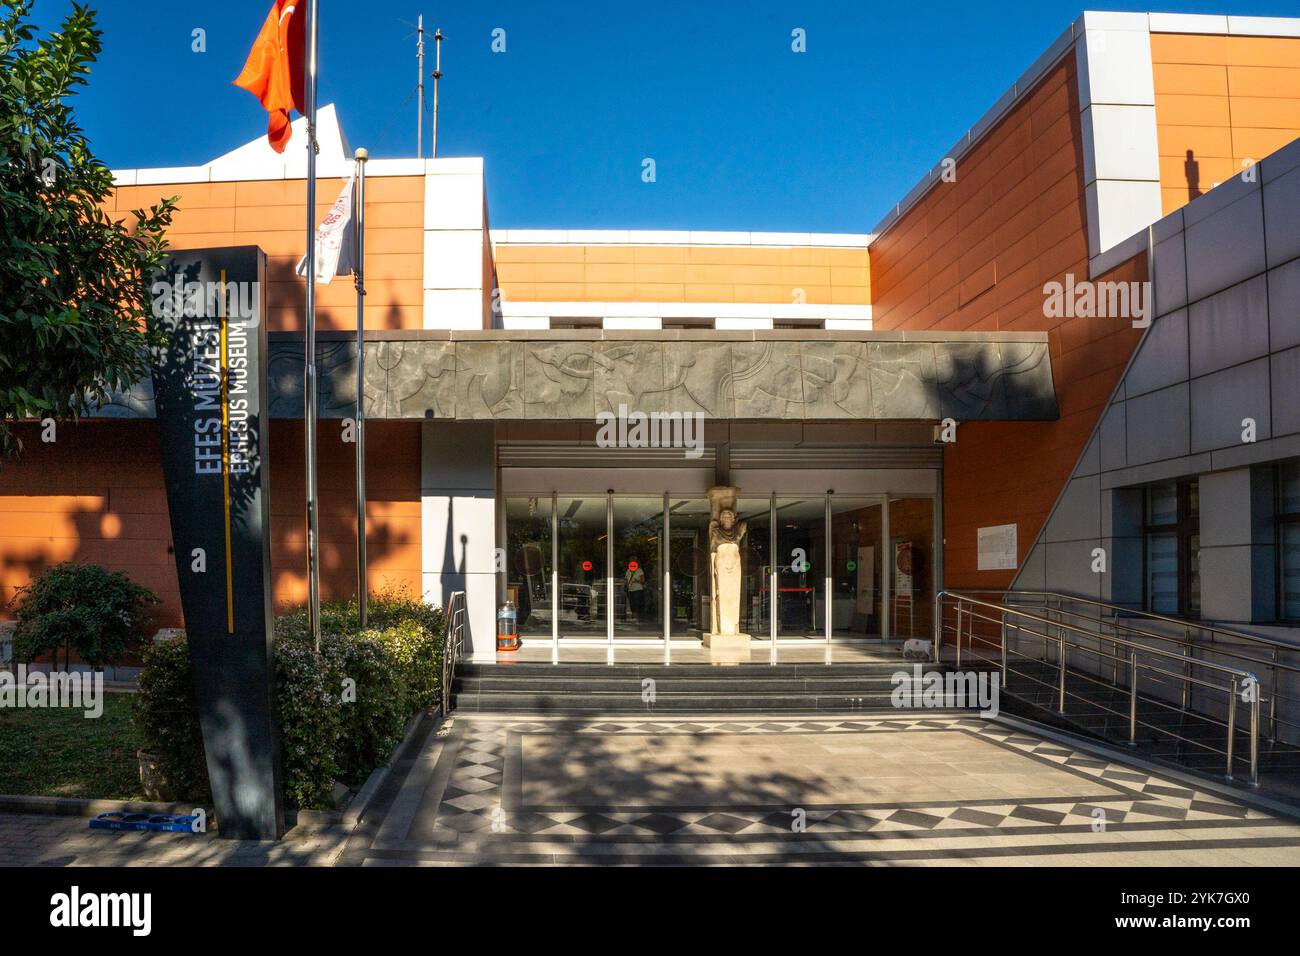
x=745, y=133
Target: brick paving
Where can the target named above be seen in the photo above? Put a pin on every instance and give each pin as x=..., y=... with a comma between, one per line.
x=760, y=790
x=28, y=839
x=903, y=789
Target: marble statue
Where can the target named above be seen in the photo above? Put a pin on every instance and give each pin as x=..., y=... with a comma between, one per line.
x=726, y=534
x=725, y=537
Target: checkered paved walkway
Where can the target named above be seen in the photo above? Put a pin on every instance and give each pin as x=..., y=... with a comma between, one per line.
x=926, y=789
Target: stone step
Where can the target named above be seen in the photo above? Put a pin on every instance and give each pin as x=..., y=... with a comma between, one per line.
x=753, y=670
x=601, y=703
x=675, y=683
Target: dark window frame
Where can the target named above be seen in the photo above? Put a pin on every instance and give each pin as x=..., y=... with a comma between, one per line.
x=1186, y=528
x=1280, y=520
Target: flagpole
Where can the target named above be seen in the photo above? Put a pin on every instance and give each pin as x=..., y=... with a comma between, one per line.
x=437, y=76
x=359, y=269
x=309, y=334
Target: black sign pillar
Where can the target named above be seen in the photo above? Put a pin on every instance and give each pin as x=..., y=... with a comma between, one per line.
x=211, y=393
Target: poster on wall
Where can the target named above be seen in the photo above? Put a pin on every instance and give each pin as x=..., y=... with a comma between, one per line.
x=210, y=388
x=997, y=548
x=904, y=594
x=903, y=555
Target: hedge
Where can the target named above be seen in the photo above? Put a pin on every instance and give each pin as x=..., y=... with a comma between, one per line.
x=341, y=710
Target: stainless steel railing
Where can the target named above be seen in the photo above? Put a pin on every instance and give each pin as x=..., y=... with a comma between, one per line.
x=1278, y=659
x=1239, y=685
x=453, y=642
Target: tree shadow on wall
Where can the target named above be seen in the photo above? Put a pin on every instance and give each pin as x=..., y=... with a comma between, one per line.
x=392, y=475
x=386, y=535
x=130, y=536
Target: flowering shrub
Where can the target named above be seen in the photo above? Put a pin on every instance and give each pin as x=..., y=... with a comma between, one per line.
x=418, y=658
x=307, y=695
x=376, y=702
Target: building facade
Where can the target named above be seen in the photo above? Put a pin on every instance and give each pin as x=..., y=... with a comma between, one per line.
x=1079, y=331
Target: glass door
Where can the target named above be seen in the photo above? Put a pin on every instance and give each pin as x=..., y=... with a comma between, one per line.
x=911, y=557
x=638, y=604
x=582, y=542
x=690, y=580
x=528, y=563
x=755, y=567
x=856, y=562
x=801, y=567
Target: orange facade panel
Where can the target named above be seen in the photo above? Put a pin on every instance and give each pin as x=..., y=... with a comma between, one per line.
x=975, y=255
x=1222, y=103
x=272, y=214
x=663, y=273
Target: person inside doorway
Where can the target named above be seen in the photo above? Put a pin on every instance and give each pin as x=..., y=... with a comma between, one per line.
x=634, y=583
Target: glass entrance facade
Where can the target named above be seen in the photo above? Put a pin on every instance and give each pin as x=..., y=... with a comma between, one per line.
x=635, y=568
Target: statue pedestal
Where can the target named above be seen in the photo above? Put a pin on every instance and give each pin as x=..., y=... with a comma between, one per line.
x=727, y=648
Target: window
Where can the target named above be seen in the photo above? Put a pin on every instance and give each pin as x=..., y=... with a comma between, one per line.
x=1288, y=538
x=1172, y=544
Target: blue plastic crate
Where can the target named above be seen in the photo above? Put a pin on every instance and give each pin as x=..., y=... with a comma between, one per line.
x=120, y=821
x=168, y=823
x=158, y=823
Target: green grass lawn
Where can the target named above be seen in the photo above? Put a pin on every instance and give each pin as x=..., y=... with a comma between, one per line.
x=57, y=752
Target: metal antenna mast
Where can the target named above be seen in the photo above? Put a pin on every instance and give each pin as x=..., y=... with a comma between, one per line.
x=437, y=75
x=419, y=115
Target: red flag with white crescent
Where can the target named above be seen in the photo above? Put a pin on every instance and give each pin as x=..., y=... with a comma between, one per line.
x=276, y=66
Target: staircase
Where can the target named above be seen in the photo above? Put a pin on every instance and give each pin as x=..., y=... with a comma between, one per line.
x=543, y=688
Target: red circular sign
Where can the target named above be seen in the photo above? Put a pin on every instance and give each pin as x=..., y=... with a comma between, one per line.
x=586, y=565
x=632, y=565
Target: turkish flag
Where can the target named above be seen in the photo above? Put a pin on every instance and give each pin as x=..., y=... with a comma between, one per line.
x=275, y=67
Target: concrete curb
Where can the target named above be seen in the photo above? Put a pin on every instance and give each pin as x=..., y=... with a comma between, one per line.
x=74, y=807
x=351, y=815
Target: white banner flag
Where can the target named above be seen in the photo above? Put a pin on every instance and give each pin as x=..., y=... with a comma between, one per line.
x=334, y=241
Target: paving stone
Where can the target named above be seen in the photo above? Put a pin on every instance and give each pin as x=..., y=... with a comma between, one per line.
x=901, y=785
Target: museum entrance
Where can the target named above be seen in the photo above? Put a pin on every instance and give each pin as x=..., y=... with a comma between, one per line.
x=617, y=568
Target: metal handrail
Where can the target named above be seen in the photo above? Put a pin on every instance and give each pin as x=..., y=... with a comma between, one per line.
x=1131, y=712
x=1270, y=646
x=453, y=642
x=1239, y=680
x=1121, y=611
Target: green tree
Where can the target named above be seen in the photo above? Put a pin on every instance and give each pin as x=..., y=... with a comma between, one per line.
x=80, y=607
x=76, y=319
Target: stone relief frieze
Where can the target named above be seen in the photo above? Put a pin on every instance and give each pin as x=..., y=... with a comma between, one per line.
x=779, y=380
